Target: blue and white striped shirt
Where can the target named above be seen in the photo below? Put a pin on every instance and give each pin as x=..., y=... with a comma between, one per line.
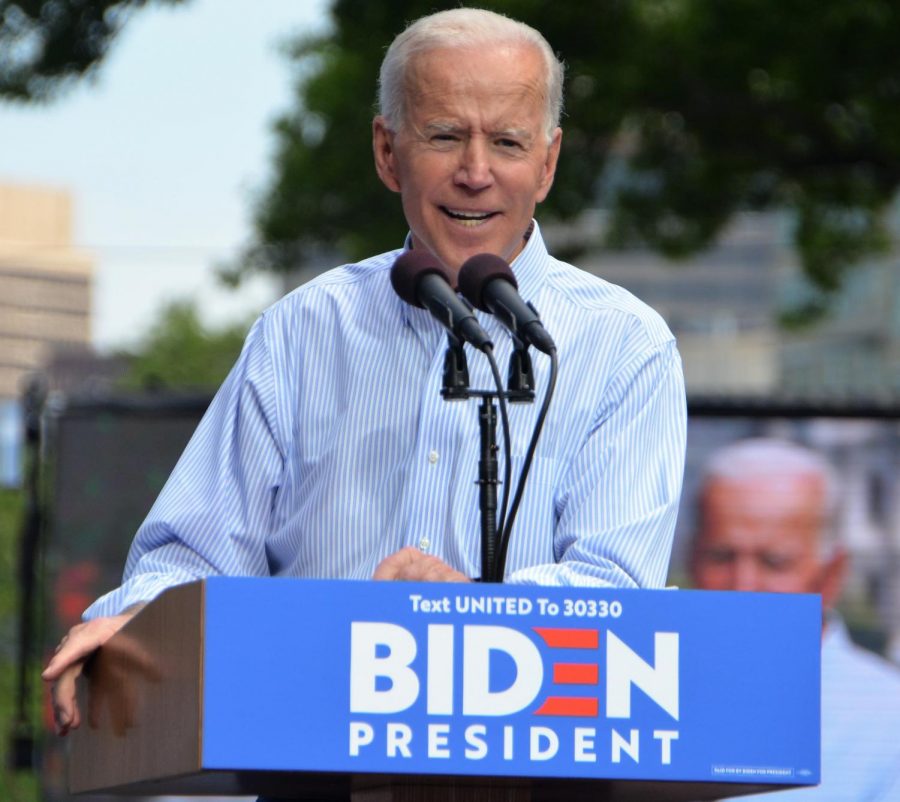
x=329, y=446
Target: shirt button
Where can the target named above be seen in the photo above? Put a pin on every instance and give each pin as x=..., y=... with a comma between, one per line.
x=424, y=543
x=433, y=456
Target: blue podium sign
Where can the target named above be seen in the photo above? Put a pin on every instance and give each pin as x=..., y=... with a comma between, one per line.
x=510, y=681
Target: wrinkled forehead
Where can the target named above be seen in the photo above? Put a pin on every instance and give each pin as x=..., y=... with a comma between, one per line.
x=771, y=491
x=771, y=511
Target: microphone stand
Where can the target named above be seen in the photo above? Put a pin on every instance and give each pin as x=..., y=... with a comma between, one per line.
x=456, y=371
x=520, y=377
x=456, y=387
x=487, y=484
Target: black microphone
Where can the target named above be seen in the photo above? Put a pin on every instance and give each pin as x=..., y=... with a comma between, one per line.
x=420, y=280
x=488, y=283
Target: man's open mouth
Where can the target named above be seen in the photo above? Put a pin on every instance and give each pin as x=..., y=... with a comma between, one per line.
x=467, y=218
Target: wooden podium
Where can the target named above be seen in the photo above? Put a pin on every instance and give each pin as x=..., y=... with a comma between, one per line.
x=312, y=689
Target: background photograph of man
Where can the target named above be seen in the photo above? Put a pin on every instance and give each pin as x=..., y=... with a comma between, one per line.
x=766, y=522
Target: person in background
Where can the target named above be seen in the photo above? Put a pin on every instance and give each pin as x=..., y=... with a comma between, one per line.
x=767, y=523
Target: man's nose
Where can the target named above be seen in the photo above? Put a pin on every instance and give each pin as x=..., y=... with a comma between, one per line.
x=474, y=170
x=746, y=574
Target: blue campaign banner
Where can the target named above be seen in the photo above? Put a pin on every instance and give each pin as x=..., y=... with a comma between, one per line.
x=505, y=680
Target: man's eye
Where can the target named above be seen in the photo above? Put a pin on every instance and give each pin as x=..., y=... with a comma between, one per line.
x=718, y=556
x=444, y=138
x=777, y=562
x=509, y=143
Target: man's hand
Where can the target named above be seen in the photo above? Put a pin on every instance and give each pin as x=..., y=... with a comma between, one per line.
x=412, y=565
x=68, y=662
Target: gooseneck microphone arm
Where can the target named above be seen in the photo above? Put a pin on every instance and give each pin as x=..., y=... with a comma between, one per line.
x=421, y=281
x=506, y=530
x=488, y=283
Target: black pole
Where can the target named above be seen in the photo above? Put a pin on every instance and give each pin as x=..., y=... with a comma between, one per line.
x=456, y=387
x=22, y=747
x=487, y=482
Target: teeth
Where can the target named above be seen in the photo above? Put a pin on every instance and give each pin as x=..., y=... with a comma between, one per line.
x=468, y=218
x=469, y=215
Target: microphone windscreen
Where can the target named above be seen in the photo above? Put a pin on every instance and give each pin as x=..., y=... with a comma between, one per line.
x=408, y=270
x=477, y=272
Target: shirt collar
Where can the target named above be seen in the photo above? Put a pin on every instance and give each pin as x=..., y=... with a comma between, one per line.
x=835, y=629
x=529, y=268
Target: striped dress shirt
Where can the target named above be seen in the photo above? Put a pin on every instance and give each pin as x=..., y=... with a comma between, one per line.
x=329, y=446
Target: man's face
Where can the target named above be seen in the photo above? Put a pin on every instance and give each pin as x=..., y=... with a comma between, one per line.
x=764, y=534
x=472, y=159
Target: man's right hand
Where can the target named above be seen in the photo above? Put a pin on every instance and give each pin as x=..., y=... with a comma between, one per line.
x=68, y=662
x=411, y=565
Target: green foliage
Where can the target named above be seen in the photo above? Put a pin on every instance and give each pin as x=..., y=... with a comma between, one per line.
x=47, y=44
x=179, y=353
x=15, y=786
x=679, y=114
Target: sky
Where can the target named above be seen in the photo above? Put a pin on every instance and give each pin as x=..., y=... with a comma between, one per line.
x=162, y=153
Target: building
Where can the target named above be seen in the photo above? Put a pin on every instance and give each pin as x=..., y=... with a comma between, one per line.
x=855, y=350
x=720, y=303
x=45, y=299
x=45, y=283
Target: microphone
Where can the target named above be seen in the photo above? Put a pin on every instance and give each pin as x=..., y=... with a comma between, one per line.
x=419, y=279
x=488, y=283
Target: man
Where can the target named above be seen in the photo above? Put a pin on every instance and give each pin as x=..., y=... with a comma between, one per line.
x=329, y=452
x=767, y=509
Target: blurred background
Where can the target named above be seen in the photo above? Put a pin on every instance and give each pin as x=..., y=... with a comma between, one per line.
x=169, y=168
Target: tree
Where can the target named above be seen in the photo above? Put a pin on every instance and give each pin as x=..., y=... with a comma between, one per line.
x=45, y=45
x=679, y=114
x=179, y=353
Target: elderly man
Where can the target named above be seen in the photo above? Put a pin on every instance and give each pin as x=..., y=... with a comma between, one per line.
x=329, y=451
x=766, y=524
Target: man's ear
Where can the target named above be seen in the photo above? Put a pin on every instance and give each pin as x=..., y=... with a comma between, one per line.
x=834, y=571
x=385, y=157
x=549, y=166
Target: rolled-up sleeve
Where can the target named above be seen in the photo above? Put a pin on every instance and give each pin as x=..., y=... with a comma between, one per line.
x=214, y=513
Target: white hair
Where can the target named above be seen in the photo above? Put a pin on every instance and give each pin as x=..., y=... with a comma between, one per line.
x=768, y=457
x=459, y=28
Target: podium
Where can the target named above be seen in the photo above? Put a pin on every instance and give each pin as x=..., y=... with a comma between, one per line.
x=318, y=689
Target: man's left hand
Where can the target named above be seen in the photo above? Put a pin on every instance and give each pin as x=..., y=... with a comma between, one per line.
x=411, y=565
